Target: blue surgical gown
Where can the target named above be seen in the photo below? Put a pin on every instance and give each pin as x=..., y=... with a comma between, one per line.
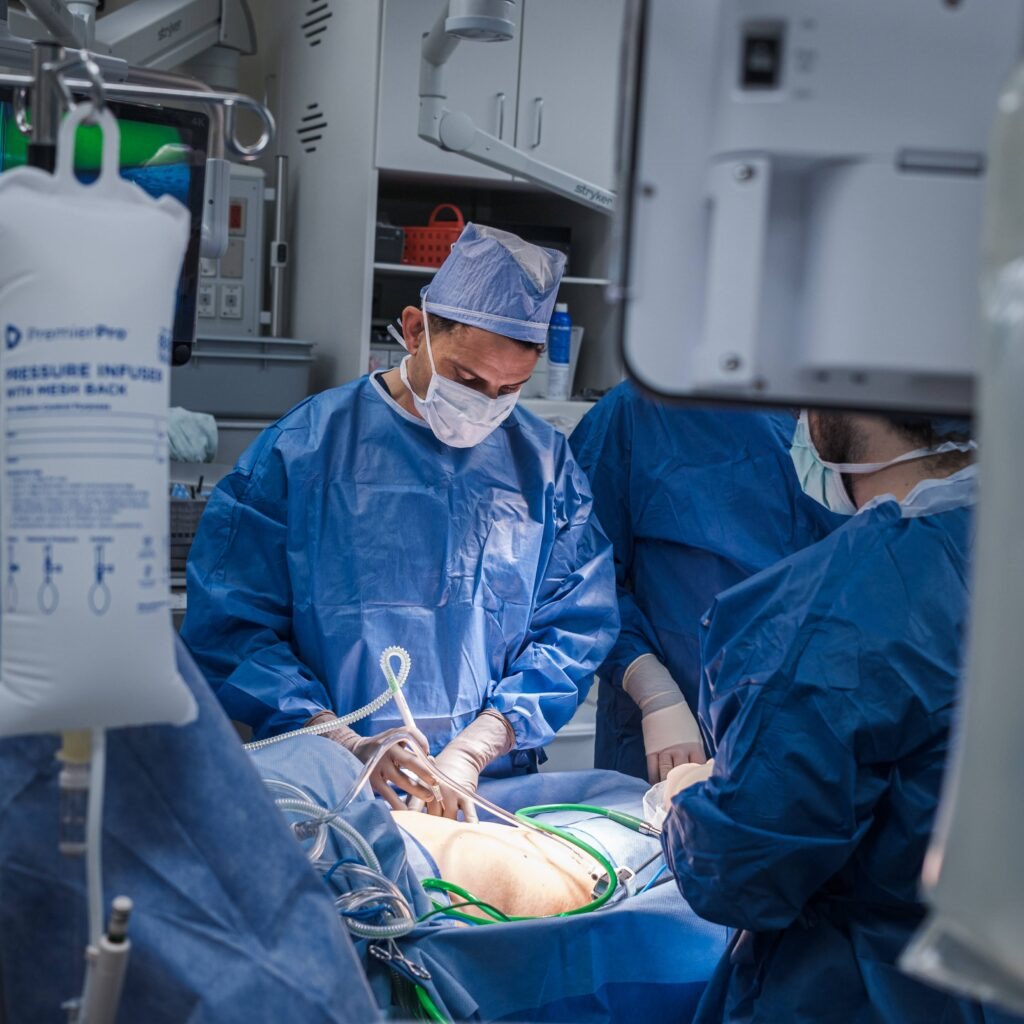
x=694, y=500
x=348, y=527
x=830, y=687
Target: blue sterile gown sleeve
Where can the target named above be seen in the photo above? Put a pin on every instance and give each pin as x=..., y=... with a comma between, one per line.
x=348, y=527
x=229, y=923
x=829, y=693
x=694, y=500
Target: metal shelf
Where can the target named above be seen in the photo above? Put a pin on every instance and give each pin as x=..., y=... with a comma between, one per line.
x=405, y=268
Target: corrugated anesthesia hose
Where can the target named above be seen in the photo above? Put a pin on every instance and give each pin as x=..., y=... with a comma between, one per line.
x=393, y=692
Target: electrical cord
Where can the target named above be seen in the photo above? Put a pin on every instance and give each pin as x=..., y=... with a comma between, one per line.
x=653, y=881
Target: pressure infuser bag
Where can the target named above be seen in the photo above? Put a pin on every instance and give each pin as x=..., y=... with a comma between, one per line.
x=87, y=284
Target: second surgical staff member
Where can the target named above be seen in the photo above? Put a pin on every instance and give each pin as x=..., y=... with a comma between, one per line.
x=419, y=507
x=830, y=688
x=694, y=500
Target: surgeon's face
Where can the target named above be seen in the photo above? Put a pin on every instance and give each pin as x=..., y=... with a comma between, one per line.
x=489, y=363
x=833, y=435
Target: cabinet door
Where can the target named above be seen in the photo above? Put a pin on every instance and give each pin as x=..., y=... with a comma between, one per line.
x=481, y=80
x=568, y=85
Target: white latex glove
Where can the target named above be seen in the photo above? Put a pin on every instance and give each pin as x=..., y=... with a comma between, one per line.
x=389, y=770
x=192, y=436
x=486, y=738
x=682, y=777
x=671, y=733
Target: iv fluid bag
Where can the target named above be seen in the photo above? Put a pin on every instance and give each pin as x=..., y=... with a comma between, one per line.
x=88, y=275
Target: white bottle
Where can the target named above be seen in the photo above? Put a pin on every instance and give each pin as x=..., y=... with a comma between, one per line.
x=559, y=354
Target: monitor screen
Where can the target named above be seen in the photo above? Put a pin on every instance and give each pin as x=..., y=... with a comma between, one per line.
x=164, y=152
x=801, y=206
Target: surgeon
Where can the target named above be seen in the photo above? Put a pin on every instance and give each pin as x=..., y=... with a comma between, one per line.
x=830, y=687
x=694, y=500
x=419, y=507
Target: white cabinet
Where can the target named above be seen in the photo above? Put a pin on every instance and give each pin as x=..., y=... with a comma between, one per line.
x=481, y=81
x=568, y=85
x=552, y=91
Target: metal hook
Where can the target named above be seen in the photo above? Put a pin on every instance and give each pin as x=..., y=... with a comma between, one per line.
x=82, y=59
x=20, y=105
x=93, y=81
x=231, y=126
x=97, y=92
x=100, y=92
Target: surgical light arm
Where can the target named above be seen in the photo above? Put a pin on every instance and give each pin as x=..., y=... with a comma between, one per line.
x=164, y=34
x=159, y=34
x=72, y=30
x=456, y=132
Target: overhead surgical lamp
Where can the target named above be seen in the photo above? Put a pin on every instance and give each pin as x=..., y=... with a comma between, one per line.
x=484, y=21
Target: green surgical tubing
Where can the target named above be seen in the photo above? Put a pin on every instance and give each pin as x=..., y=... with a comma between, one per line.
x=428, y=1005
x=437, y=884
x=629, y=821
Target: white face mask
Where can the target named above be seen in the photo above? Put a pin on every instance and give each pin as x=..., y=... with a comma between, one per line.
x=458, y=415
x=823, y=481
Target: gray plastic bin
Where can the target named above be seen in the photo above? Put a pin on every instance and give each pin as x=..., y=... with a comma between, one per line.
x=243, y=377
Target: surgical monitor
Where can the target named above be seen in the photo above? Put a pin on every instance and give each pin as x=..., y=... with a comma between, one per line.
x=799, y=210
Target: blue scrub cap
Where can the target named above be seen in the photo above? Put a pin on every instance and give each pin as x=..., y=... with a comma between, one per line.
x=494, y=280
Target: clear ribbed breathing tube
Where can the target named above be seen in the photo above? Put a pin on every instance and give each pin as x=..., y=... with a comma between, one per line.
x=393, y=692
x=371, y=888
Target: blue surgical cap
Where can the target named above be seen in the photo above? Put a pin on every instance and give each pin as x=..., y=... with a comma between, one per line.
x=494, y=280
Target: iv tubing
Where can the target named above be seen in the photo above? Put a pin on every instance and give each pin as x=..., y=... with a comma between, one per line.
x=371, y=765
x=342, y=827
x=94, y=836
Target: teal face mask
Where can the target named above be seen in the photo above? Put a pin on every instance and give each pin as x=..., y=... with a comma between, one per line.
x=818, y=478
x=823, y=481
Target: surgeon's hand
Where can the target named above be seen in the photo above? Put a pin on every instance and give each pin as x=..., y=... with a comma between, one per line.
x=391, y=765
x=671, y=733
x=488, y=737
x=663, y=754
x=684, y=776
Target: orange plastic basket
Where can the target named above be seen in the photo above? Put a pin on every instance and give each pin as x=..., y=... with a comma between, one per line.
x=429, y=246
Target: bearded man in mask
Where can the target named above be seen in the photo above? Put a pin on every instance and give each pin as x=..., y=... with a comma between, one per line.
x=829, y=689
